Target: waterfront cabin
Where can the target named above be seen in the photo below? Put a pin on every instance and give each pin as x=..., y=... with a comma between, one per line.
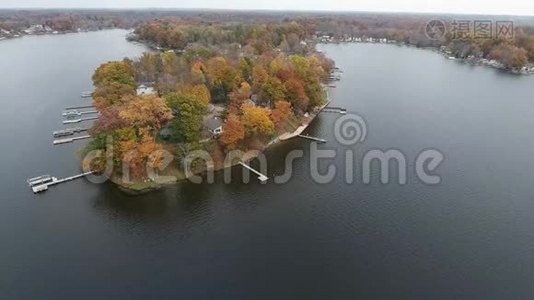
x=144, y=90
x=214, y=126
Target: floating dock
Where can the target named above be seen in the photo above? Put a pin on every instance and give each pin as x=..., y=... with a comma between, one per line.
x=77, y=113
x=68, y=131
x=40, y=180
x=79, y=120
x=86, y=94
x=261, y=177
x=312, y=138
x=333, y=109
x=70, y=140
x=42, y=183
x=79, y=107
x=334, y=78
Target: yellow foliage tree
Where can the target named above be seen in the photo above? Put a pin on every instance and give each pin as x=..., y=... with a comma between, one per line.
x=257, y=120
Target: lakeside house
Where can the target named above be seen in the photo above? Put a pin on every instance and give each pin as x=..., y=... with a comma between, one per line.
x=143, y=90
x=214, y=126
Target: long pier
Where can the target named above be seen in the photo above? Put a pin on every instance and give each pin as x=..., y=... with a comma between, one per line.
x=335, y=109
x=70, y=140
x=79, y=120
x=42, y=183
x=261, y=177
x=315, y=139
x=79, y=107
x=77, y=113
x=69, y=131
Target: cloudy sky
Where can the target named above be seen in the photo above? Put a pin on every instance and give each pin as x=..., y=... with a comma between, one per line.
x=514, y=7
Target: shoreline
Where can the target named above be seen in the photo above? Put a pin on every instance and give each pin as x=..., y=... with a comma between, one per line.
x=23, y=35
x=138, y=188
x=474, y=61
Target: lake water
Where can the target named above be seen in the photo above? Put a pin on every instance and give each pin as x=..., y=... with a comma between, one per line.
x=470, y=236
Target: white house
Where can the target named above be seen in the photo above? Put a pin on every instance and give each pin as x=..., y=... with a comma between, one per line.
x=144, y=90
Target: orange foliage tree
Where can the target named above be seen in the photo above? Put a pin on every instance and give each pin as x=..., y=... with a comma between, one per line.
x=233, y=133
x=281, y=113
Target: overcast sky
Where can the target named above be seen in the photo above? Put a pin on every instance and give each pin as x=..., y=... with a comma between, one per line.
x=513, y=7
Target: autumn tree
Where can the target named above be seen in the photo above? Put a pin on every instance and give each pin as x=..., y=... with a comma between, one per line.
x=115, y=72
x=510, y=55
x=109, y=121
x=222, y=78
x=296, y=94
x=111, y=94
x=189, y=111
x=273, y=90
x=260, y=76
x=257, y=120
x=233, y=133
x=239, y=96
x=281, y=114
x=245, y=68
x=146, y=112
x=141, y=153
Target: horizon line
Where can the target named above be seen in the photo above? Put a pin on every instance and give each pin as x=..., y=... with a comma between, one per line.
x=267, y=10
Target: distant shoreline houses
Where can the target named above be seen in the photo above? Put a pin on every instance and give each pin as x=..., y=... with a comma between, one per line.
x=327, y=39
x=36, y=29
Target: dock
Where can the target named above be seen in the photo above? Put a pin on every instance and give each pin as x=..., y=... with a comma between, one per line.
x=79, y=120
x=68, y=131
x=261, y=177
x=334, y=109
x=334, y=78
x=39, y=180
x=86, y=94
x=42, y=183
x=77, y=113
x=79, y=107
x=70, y=140
x=315, y=139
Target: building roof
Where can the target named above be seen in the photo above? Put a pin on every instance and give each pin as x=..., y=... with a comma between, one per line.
x=213, y=123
